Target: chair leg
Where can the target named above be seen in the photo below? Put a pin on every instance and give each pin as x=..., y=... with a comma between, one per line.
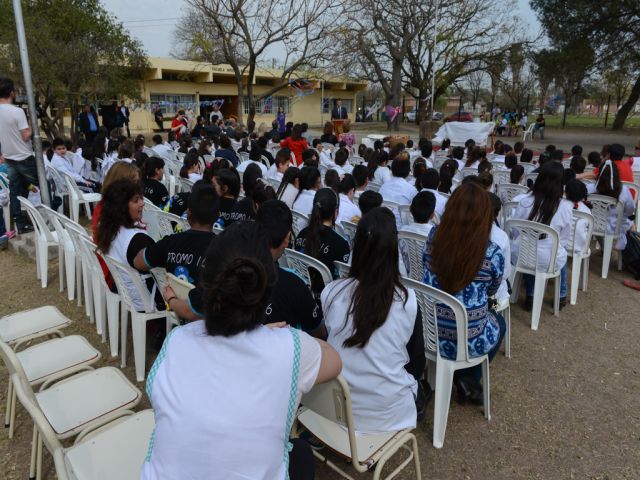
x=606, y=254
x=98, y=307
x=444, y=381
x=87, y=210
x=34, y=451
x=39, y=459
x=80, y=276
x=139, y=328
x=44, y=263
x=62, y=258
x=113, y=322
x=576, y=263
x=556, y=297
x=124, y=326
x=70, y=267
x=431, y=374
x=12, y=412
x=507, y=334
x=515, y=286
x=585, y=274
x=538, y=296
x=75, y=207
x=619, y=252
x=88, y=298
x=416, y=457
x=486, y=388
x=7, y=413
x=38, y=269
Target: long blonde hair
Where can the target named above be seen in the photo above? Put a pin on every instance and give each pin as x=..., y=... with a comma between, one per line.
x=121, y=171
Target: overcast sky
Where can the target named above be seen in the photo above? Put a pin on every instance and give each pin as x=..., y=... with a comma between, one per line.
x=153, y=21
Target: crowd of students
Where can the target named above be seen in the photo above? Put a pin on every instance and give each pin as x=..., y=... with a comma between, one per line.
x=251, y=325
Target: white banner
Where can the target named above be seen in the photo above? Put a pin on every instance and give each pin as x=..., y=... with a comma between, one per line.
x=460, y=132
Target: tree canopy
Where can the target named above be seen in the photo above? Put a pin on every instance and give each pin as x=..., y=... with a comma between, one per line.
x=78, y=53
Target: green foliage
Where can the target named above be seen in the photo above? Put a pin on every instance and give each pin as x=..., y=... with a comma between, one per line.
x=78, y=52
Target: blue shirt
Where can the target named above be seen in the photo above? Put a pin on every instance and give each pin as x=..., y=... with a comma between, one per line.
x=93, y=127
x=483, y=330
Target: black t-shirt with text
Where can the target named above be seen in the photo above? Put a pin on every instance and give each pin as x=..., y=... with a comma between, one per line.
x=292, y=302
x=242, y=210
x=156, y=192
x=183, y=255
x=332, y=247
x=226, y=207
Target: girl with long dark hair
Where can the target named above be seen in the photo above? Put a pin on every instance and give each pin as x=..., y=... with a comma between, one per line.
x=289, y=186
x=255, y=193
x=319, y=239
x=310, y=183
x=448, y=170
x=227, y=184
x=609, y=184
x=461, y=260
x=377, y=165
x=374, y=323
x=346, y=193
x=191, y=168
x=545, y=204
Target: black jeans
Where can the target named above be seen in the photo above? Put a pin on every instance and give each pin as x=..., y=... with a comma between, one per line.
x=301, y=460
x=21, y=174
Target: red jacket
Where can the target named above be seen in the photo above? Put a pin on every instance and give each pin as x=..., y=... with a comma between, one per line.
x=296, y=147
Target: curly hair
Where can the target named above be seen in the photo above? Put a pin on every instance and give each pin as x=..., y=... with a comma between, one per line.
x=115, y=211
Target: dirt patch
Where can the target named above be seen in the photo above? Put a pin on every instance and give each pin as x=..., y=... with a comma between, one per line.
x=564, y=407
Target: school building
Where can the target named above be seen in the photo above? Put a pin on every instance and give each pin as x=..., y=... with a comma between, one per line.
x=179, y=84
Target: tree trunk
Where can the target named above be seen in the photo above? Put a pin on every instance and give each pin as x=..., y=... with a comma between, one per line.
x=623, y=112
x=240, y=108
x=564, y=114
x=252, y=103
x=74, y=117
x=396, y=92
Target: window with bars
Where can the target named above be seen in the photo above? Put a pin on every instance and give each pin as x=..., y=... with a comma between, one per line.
x=268, y=105
x=170, y=103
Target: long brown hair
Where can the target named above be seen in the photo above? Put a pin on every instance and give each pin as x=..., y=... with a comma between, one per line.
x=460, y=241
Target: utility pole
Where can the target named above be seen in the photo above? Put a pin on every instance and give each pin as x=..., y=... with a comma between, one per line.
x=433, y=66
x=26, y=72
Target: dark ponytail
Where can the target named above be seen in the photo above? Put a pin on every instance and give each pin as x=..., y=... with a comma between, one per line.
x=190, y=160
x=325, y=204
x=237, y=280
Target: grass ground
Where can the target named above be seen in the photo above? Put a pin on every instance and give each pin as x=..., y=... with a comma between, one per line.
x=563, y=407
x=588, y=121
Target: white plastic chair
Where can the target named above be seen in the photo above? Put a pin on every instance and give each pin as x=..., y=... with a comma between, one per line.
x=77, y=196
x=405, y=214
x=634, y=189
x=527, y=264
x=374, y=186
x=102, y=295
x=60, y=186
x=66, y=264
x=468, y=171
x=327, y=410
x=6, y=210
x=52, y=358
x=530, y=176
x=581, y=258
x=300, y=221
x=528, y=132
x=508, y=191
x=138, y=319
x=412, y=244
x=184, y=184
x=44, y=239
x=301, y=263
x=21, y=327
x=601, y=206
x=528, y=167
x=501, y=177
x=349, y=229
x=508, y=208
x=164, y=223
x=441, y=377
x=342, y=268
x=149, y=219
x=72, y=404
x=244, y=156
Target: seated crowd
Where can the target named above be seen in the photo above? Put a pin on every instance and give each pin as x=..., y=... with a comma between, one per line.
x=248, y=311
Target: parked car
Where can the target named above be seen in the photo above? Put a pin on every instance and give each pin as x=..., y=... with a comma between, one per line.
x=459, y=117
x=411, y=116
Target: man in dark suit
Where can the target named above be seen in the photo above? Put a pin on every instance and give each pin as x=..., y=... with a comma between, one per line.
x=123, y=112
x=88, y=122
x=339, y=112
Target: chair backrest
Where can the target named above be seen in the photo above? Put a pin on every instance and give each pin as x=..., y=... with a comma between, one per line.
x=601, y=206
x=405, y=214
x=48, y=436
x=342, y=268
x=508, y=191
x=530, y=176
x=374, y=186
x=529, y=234
x=164, y=222
x=273, y=183
x=332, y=401
x=180, y=287
x=59, y=226
x=72, y=186
x=466, y=171
x=429, y=300
x=244, y=156
x=300, y=220
x=390, y=205
x=58, y=181
x=349, y=229
x=120, y=272
x=501, y=177
x=148, y=204
x=578, y=216
x=413, y=245
x=39, y=223
x=356, y=160
x=185, y=184
x=634, y=188
x=301, y=263
x=528, y=167
x=89, y=254
x=507, y=211
x=328, y=146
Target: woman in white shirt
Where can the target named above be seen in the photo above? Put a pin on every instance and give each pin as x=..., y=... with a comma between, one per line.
x=289, y=186
x=228, y=380
x=310, y=183
x=609, y=184
x=545, y=204
x=377, y=165
x=375, y=325
x=348, y=209
x=191, y=167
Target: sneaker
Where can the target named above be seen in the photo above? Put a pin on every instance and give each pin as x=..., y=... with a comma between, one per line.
x=10, y=234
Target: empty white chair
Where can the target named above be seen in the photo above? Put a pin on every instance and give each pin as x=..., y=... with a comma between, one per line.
x=528, y=132
x=527, y=264
x=119, y=272
x=412, y=247
x=44, y=239
x=508, y=191
x=301, y=263
x=21, y=327
x=57, y=357
x=77, y=196
x=601, y=205
x=580, y=255
x=327, y=410
x=82, y=401
x=441, y=377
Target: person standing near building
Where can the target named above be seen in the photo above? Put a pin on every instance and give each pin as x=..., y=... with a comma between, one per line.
x=123, y=112
x=281, y=118
x=15, y=138
x=159, y=118
x=89, y=124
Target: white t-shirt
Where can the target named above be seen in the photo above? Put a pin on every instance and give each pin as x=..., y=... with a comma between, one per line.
x=12, y=121
x=381, y=175
x=635, y=165
x=500, y=238
x=289, y=195
x=347, y=209
x=441, y=201
x=243, y=166
x=221, y=403
x=382, y=391
x=421, y=229
x=304, y=202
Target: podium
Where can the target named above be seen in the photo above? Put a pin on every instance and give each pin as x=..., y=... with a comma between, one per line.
x=337, y=126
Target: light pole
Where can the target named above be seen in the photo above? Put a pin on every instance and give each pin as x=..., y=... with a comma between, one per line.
x=26, y=72
x=433, y=63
